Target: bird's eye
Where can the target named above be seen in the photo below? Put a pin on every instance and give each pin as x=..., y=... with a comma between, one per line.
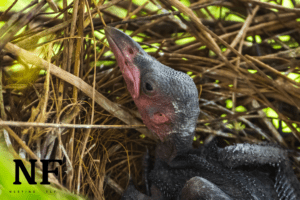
x=148, y=87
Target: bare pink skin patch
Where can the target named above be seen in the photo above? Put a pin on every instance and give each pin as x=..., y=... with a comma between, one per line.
x=159, y=122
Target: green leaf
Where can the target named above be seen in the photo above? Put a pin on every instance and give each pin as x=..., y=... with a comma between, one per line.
x=229, y=103
x=240, y=109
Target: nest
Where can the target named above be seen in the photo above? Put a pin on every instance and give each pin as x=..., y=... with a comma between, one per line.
x=242, y=55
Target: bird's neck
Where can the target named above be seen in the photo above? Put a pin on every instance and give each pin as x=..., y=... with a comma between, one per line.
x=176, y=144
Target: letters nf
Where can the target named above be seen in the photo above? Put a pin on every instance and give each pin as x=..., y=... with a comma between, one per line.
x=31, y=179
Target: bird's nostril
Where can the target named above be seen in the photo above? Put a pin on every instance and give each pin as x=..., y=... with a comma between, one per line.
x=126, y=63
x=130, y=50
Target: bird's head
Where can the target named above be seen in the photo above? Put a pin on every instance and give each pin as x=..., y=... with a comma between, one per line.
x=166, y=99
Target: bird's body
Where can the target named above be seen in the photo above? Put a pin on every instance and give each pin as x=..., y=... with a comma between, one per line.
x=168, y=103
x=233, y=183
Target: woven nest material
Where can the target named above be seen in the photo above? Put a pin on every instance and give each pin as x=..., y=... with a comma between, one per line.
x=243, y=56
